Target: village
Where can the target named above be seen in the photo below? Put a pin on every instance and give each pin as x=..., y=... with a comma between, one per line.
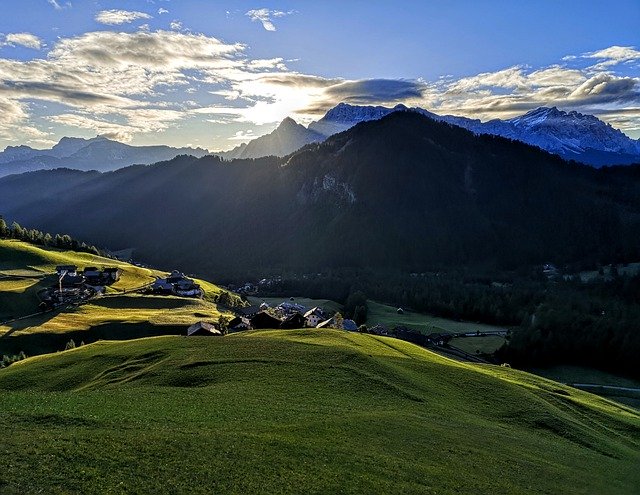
x=76, y=286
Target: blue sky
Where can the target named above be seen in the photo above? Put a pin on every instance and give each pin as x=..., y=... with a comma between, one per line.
x=213, y=73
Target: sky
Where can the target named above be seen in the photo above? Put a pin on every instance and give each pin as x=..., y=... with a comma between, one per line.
x=214, y=73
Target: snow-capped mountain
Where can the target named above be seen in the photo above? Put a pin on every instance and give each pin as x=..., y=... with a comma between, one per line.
x=288, y=137
x=572, y=135
x=344, y=116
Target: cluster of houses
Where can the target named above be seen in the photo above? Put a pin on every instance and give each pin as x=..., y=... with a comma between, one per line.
x=177, y=284
x=75, y=286
x=287, y=316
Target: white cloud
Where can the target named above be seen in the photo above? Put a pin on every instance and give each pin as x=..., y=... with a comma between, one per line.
x=162, y=10
x=27, y=40
x=264, y=16
x=114, y=17
x=175, y=25
x=614, y=55
x=58, y=6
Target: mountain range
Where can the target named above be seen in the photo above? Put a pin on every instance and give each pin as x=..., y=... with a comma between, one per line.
x=99, y=153
x=405, y=192
x=572, y=135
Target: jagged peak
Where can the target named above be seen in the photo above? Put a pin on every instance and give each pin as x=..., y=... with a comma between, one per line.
x=288, y=122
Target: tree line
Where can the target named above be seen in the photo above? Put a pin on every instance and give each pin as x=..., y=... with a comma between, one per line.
x=39, y=238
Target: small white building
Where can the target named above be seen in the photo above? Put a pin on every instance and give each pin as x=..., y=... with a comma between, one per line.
x=314, y=316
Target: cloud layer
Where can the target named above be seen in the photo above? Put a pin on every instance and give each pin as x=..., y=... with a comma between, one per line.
x=114, y=17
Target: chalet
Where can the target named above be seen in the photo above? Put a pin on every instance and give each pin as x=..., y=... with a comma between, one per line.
x=111, y=274
x=175, y=276
x=250, y=311
x=72, y=281
x=288, y=308
x=93, y=275
x=438, y=338
x=294, y=320
x=314, y=316
x=161, y=286
x=330, y=323
x=69, y=269
x=239, y=323
x=203, y=328
x=264, y=320
x=349, y=325
x=187, y=288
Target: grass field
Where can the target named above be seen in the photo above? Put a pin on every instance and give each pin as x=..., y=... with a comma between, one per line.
x=486, y=345
x=581, y=374
x=382, y=314
x=315, y=411
x=116, y=316
x=326, y=304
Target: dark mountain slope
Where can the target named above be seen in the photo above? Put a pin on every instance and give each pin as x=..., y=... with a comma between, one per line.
x=404, y=192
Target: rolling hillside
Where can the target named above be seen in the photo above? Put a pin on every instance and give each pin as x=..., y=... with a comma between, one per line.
x=120, y=314
x=317, y=411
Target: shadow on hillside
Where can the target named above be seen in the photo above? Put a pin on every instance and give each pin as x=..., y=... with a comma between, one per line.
x=41, y=343
x=146, y=302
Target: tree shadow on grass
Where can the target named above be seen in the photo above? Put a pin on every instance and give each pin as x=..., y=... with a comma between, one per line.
x=44, y=342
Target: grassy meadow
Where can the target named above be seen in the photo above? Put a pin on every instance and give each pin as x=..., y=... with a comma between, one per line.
x=25, y=269
x=383, y=314
x=313, y=411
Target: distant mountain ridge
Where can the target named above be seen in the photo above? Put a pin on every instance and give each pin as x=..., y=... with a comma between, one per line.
x=288, y=137
x=99, y=153
x=572, y=135
x=404, y=192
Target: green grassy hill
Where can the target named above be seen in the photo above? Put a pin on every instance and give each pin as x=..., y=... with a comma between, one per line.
x=314, y=411
x=383, y=314
x=25, y=269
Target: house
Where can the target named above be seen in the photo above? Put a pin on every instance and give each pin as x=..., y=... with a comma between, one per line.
x=239, y=323
x=400, y=311
x=264, y=320
x=294, y=320
x=111, y=274
x=314, y=316
x=287, y=308
x=438, y=338
x=161, y=286
x=69, y=269
x=92, y=275
x=349, y=325
x=175, y=276
x=72, y=281
x=187, y=288
x=203, y=328
x=326, y=324
x=250, y=311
